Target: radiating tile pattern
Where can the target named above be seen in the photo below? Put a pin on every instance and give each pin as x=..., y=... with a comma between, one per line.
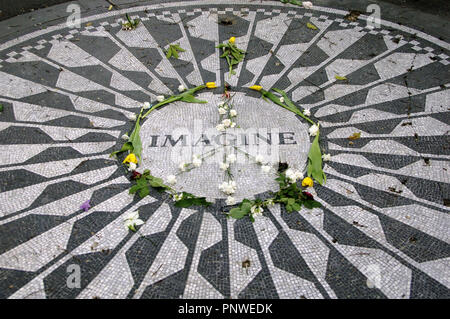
x=383, y=231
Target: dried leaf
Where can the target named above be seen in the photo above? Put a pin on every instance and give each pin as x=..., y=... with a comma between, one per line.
x=341, y=78
x=311, y=26
x=354, y=136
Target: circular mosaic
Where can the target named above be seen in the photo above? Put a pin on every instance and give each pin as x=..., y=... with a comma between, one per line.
x=67, y=93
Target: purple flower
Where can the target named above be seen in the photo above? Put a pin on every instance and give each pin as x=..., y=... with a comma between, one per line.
x=86, y=205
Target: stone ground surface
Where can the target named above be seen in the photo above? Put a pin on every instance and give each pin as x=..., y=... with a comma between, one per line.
x=383, y=230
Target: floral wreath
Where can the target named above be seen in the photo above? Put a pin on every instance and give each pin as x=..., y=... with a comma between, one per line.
x=292, y=194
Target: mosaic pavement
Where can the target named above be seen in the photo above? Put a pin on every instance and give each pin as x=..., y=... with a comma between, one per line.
x=67, y=93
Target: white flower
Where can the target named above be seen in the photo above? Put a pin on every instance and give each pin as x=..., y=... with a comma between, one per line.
x=326, y=157
x=132, y=220
x=230, y=200
x=224, y=166
x=298, y=175
x=228, y=188
x=221, y=104
x=220, y=127
x=270, y=202
x=160, y=98
x=231, y=158
x=289, y=172
x=233, y=112
x=293, y=175
x=233, y=124
x=226, y=122
x=132, y=117
x=222, y=111
x=307, y=4
x=265, y=168
x=125, y=137
x=172, y=179
x=147, y=105
x=181, y=88
x=132, y=166
x=178, y=197
x=313, y=130
x=282, y=99
x=256, y=211
x=259, y=159
x=197, y=162
x=182, y=166
x=307, y=112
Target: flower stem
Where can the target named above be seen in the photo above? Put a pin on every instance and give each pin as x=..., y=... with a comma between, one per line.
x=277, y=101
x=174, y=98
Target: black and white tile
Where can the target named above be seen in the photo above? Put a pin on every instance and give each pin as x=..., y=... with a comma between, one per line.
x=67, y=93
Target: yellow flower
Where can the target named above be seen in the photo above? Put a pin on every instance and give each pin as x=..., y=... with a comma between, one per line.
x=211, y=85
x=307, y=181
x=232, y=39
x=256, y=87
x=131, y=158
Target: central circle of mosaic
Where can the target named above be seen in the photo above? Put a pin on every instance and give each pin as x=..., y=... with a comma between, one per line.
x=177, y=132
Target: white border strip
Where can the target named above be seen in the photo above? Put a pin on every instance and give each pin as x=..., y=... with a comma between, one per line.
x=31, y=35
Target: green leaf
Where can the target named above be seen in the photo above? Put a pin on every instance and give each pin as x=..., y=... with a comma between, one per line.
x=296, y=206
x=128, y=146
x=173, y=51
x=134, y=189
x=311, y=26
x=157, y=182
x=315, y=162
x=310, y=204
x=177, y=46
x=144, y=191
x=237, y=213
x=191, y=200
x=135, y=139
x=246, y=206
x=233, y=54
x=191, y=99
x=1, y=107
x=286, y=98
x=169, y=52
x=289, y=105
x=338, y=77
